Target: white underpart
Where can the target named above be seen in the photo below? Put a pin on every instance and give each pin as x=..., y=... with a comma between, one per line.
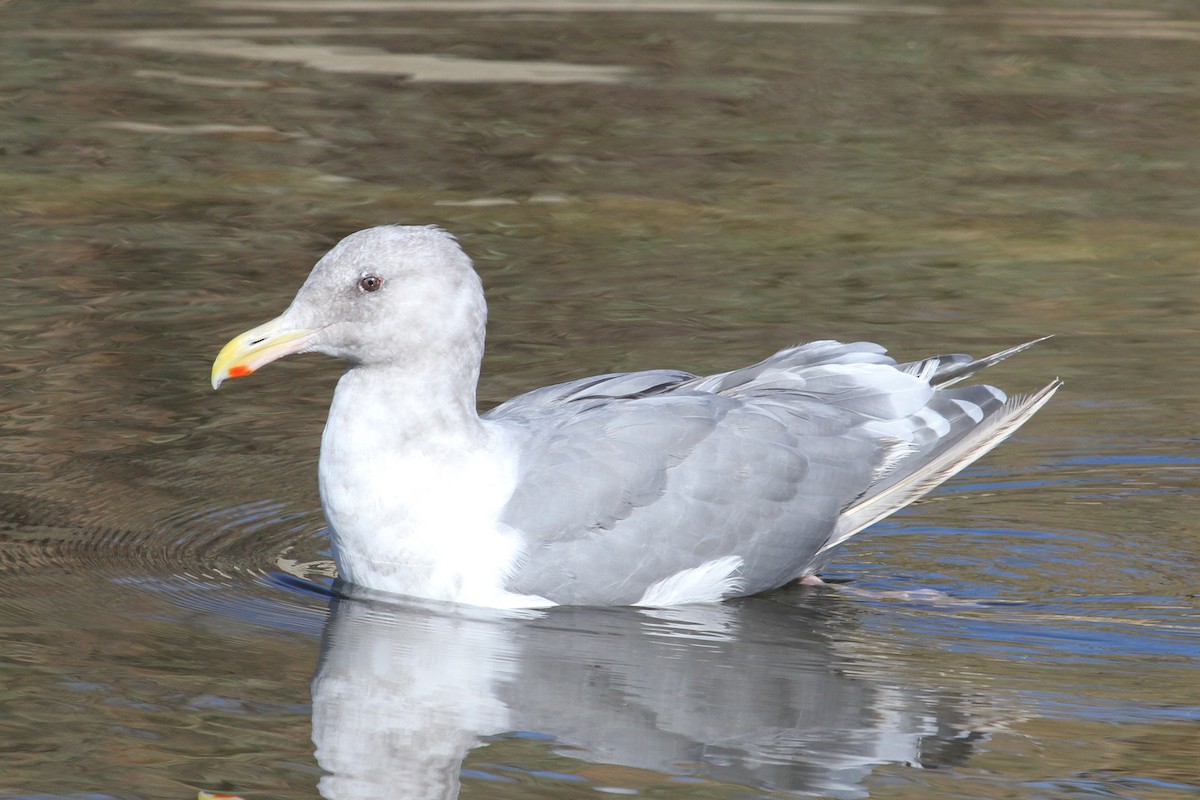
x=710, y=582
x=418, y=516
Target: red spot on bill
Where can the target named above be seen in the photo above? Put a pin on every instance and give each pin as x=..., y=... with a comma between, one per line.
x=240, y=371
x=203, y=795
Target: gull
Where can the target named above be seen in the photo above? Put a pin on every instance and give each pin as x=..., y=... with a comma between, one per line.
x=652, y=488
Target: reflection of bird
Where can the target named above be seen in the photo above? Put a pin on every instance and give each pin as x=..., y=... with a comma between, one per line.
x=756, y=694
x=645, y=488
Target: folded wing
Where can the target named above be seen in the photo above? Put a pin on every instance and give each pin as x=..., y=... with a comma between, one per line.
x=739, y=482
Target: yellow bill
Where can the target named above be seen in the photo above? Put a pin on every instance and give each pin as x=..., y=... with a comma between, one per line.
x=257, y=347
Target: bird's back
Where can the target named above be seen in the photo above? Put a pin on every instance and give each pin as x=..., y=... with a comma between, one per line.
x=662, y=487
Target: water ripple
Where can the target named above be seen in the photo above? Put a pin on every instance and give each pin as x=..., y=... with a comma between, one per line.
x=231, y=560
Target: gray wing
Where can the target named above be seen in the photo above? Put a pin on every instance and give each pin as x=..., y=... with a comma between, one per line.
x=626, y=480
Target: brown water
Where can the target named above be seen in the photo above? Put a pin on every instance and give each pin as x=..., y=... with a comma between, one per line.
x=667, y=184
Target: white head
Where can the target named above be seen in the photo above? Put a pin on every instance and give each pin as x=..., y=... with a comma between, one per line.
x=393, y=296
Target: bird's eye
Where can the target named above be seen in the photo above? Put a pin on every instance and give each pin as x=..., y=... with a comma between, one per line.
x=370, y=283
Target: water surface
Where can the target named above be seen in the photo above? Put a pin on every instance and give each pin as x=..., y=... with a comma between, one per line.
x=690, y=185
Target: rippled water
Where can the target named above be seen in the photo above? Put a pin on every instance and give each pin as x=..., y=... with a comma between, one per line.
x=675, y=184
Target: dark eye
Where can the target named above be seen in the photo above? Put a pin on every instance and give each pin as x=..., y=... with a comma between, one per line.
x=370, y=283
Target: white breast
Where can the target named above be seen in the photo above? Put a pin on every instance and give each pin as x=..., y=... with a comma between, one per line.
x=419, y=515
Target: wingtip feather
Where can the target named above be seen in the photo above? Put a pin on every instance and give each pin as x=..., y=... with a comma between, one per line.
x=1016, y=411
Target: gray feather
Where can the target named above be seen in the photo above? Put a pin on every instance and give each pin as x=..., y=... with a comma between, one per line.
x=628, y=479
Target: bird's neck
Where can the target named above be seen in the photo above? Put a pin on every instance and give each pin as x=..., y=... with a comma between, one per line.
x=403, y=404
x=413, y=483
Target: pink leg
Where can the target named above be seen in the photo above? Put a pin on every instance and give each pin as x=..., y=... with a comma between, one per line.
x=810, y=580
